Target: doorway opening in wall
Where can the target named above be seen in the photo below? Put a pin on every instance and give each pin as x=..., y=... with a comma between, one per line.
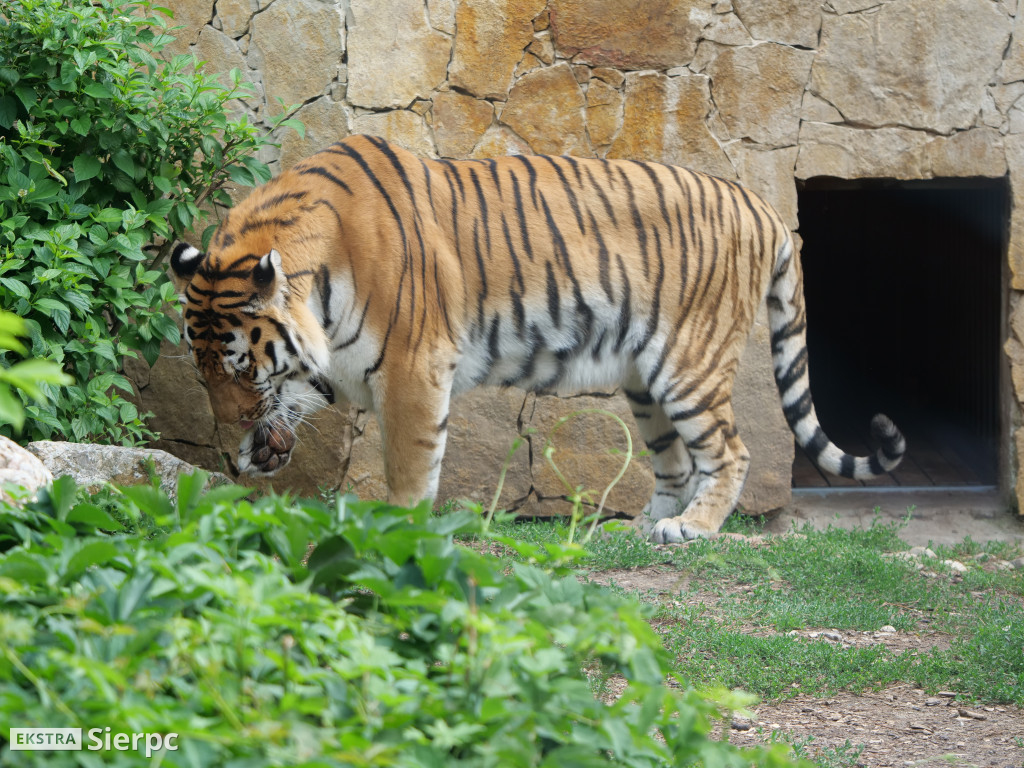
x=905, y=305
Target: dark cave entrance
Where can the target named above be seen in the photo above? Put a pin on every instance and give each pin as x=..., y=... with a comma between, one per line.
x=904, y=282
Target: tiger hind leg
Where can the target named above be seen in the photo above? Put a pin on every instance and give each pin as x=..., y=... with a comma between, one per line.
x=674, y=477
x=720, y=463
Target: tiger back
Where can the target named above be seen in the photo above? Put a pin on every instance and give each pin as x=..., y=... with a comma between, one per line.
x=398, y=281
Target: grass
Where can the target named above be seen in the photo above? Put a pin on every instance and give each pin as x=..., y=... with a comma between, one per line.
x=844, y=756
x=737, y=599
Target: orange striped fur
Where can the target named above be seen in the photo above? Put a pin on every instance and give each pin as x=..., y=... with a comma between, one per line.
x=397, y=281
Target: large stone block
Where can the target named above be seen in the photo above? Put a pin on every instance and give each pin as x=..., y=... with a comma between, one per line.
x=604, y=112
x=459, y=122
x=546, y=109
x=656, y=34
x=1019, y=486
x=320, y=460
x=442, y=15
x=174, y=393
x=793, y=22
x=176, y=396
x=975, y=152
x=394, y=55
x=298, y=45
x=1012, y=69
x=499, y=141
x=221, y=54
x=94, y=466
x=1015, y=251
x=758, y=91
x=589, y=451
x=917, y=63
x=897, y=153
x=483, y=425
x=664, y=121
x=233, y=16
x=770, y=173
x=22, y=468
x=326, y=121
x=190, y=16
x=854, y=153
x=365, y=471
x=491, y=37
x=401, y=126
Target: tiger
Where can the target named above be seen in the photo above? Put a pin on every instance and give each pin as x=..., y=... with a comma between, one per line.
x=398, y=281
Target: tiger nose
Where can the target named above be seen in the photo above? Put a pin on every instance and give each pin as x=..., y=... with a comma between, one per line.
x=226, y=412
x=230, y=406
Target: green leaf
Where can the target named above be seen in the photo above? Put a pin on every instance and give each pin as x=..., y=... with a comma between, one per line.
x=16, y=287
x=57, y=310
x=108, y=216
x=94, y=516
x=39, y=371
x=98, y=91
x=297, y=125
x=27, y=96
x=93, y=553
x=124, y=161
x=11, y=409
x=23, y=568
x=86, y=167
x=8, y=111
x=81, y=125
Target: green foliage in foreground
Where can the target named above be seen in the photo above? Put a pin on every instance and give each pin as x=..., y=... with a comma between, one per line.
x=24, y=376
x=387, y=644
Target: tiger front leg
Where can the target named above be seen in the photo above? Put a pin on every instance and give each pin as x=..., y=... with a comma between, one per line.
x=674, y=477
x=721, y=463
x=413, y=417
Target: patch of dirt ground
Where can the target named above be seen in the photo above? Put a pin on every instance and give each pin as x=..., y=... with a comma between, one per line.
x=897, y=726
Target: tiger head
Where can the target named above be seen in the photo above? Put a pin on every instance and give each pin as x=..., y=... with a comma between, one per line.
x=261, y=369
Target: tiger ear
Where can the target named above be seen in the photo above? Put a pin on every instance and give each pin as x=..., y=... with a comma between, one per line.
x=185, y=260
x=265, y=274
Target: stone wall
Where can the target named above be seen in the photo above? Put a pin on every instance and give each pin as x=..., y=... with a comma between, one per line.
x=763, y=91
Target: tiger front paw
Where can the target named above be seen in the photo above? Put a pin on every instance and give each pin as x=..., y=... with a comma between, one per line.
x=265, y=449
x=675, y=530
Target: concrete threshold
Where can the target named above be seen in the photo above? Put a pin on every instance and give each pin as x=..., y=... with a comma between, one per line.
x=928, y=515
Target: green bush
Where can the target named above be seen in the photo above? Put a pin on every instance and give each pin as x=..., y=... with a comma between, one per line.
x=387, y=644
x=103, y=150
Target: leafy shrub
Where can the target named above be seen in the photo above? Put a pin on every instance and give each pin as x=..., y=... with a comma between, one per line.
x=387, y=644
x=103, y=149
x=24, y=376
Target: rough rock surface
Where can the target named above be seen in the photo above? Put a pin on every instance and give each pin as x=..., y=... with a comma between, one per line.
x=656, y=34
x=287, y=26
x=664, y=121
x=20, y=467
x=489, y=42
x=758, y=91
x=93, y=466
x=915, y=63
x=546, y=109
x=393, y=57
